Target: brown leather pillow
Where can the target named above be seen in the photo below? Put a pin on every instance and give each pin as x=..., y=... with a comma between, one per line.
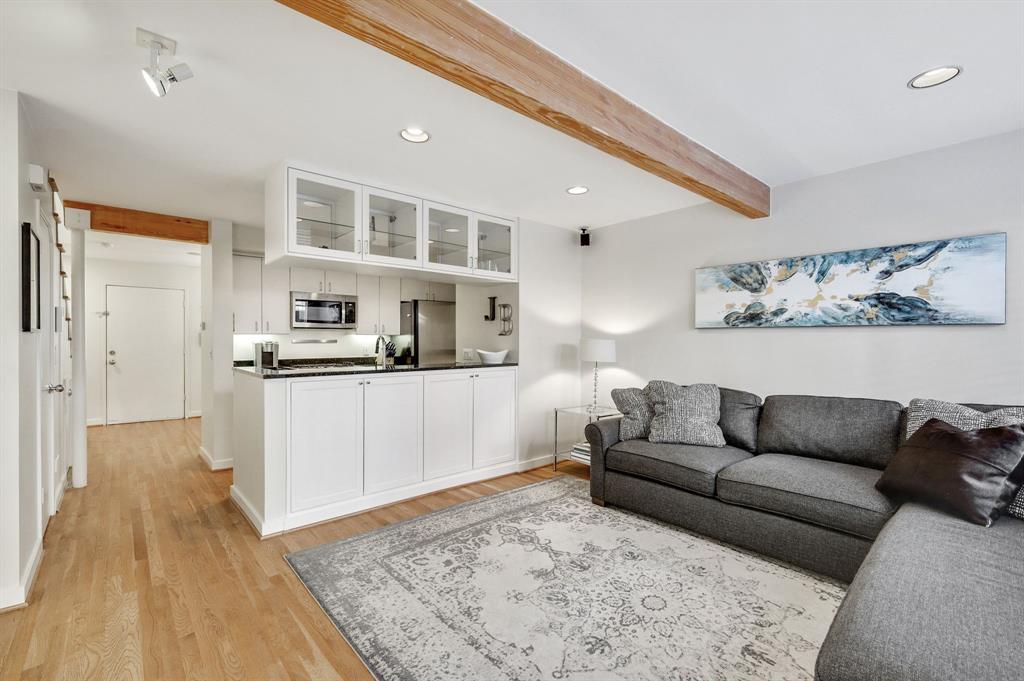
x=972, y=474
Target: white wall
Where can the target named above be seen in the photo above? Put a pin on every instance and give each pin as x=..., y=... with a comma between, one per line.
x=20, y=473
x=638, y=284
x=471, y=331
x=549, y=333
x=101, y=272
x=217, y=368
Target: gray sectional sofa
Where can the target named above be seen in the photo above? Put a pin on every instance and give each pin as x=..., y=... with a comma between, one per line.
x=931, y=597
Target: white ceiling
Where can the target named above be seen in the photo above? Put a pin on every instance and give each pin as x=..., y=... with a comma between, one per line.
x=790, y=90
x=785, y=90
x=272, y=84
x=113, y=246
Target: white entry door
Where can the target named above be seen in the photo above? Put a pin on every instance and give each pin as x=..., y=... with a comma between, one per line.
x=145, y=357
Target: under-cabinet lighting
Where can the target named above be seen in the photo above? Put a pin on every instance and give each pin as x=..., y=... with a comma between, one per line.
x=452, y=230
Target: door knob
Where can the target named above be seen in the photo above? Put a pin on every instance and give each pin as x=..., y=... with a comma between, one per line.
x=112, y=362
x=55, y=388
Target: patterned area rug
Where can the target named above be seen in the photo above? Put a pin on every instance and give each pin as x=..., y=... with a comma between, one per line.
x=539, y=583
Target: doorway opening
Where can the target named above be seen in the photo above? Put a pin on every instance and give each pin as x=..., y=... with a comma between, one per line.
x=143, y=326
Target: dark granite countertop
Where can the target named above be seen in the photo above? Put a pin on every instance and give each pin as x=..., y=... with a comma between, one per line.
x=307, y=371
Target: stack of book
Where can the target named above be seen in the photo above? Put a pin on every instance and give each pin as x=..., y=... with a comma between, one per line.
x=580, y=452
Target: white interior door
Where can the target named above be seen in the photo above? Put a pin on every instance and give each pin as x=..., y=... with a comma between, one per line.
x=145, y=354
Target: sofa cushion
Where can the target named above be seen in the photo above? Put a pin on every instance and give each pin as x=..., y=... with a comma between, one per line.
x=971, y=474
x=637, y=411
x=689, y=467
x=958, y=415
x=844, y=429
x=835, y=495
x=936, y=598
x=738, y=416
x=686, y=414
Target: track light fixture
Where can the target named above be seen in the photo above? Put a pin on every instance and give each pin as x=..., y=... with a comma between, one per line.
x=159, y=80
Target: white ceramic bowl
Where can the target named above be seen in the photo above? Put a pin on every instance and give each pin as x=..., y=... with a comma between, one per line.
x=491, y=357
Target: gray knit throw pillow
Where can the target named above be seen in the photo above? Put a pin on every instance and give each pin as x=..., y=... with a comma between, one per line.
x=637, y=412
x=686, y=415
x=965, y=418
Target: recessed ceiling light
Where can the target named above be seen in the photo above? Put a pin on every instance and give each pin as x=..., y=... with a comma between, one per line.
x=415, y=135
x=451, y=230
x=312, y=204
x=577, y=190
x=933, y=77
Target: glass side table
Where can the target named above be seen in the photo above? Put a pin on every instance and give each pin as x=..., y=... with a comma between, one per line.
x=592, y=414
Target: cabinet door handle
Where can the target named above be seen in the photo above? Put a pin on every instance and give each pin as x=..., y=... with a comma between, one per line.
x=233, y=328
x=382, y=328
x=375, y=328
x=359, y=246
x=266, y=326
x=328, y=287
x=256, y=327
x=366, y=246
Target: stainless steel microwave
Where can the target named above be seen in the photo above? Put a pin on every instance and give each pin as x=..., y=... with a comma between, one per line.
x=323, y=311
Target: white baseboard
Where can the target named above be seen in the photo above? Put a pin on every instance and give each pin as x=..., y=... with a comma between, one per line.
x=195, y=413
x=535, y=462
x=95, y=421
x=250, y=513
x=215, y=464
x=17, y=596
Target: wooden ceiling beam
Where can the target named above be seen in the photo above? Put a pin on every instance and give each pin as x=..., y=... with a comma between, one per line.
x=460, y=42
x=142, y=223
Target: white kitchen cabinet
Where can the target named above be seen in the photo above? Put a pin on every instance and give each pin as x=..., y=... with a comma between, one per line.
x=392, y=227
x=392, y=432
x=441, y=292
x=494, y=250
x=340, y=283
x=494, y=417
x=380, y=305
x=307, y=280
x=276, y=300
x=311, y=215
x=247, y=294
x=390, y=305
x=368, y=306
x=324, y=216
x=418, y=289
x=414, y=289
x=449, y=238
x=325, y=448
x=447, y=423
x=323, y=281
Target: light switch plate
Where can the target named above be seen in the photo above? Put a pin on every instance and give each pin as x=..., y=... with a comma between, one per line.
x=467, y=354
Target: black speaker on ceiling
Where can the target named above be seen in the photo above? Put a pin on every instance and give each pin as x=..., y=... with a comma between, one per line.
x=584, y=237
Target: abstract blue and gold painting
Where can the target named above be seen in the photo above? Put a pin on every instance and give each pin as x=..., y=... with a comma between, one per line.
x=948, y=281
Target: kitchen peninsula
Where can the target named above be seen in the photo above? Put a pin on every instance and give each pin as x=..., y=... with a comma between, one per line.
x=315, y=443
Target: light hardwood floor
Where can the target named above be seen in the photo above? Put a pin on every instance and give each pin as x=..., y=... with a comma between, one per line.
x=150, y=572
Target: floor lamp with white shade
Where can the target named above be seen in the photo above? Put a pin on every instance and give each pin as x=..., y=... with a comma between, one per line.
x=597, y=350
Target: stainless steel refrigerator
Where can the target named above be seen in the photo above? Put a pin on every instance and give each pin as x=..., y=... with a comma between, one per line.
x=432, y=327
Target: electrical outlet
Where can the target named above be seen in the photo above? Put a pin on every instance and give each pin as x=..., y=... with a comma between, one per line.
x=467, y=354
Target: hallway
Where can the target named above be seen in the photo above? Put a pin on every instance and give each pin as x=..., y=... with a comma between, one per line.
x=150, y=572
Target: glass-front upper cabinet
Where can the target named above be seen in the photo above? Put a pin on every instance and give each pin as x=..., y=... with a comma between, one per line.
x=449, y=242
x=392, y=227
x=325, y=213
x=495, y=241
